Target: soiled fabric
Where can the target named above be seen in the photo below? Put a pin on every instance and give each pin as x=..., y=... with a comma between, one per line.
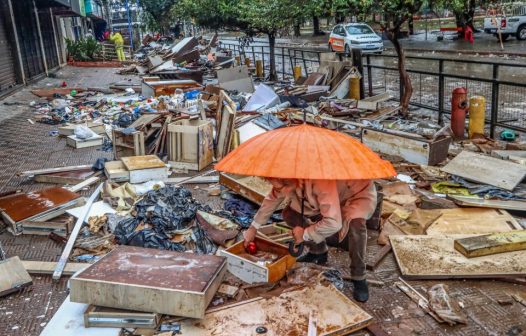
x=338, y=202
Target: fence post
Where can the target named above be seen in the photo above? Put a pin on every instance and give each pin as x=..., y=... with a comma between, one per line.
x=357, y=62
x=263, y=57
x=304, y=63
x=494, y=100
x=253, y=55
x=369, y=75
x=440, y=92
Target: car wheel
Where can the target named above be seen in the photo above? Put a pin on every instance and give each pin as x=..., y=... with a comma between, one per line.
x=347, y=50
x=521, y=33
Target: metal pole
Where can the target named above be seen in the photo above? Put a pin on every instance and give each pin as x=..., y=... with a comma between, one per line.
x=130, y=32
x=440, y=91
x=369, y=76
x=17, y=44
x=40, y=37
x=494, y=100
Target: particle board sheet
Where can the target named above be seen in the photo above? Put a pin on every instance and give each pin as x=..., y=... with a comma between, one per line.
x=287, y=314
x=472, y=221
x=13, y=276
x=151, y=280
x=488, y=203
x=425, y=257
x=142, y=162
x=485, y=169
x=68, y=320
x=22, y=206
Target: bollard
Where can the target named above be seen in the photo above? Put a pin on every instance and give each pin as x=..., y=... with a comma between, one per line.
x=238, y=60
x=354, y=87
x=477, y=115
x=297, y=72
x=247, y=62
x=459, y=107
x=259, y=69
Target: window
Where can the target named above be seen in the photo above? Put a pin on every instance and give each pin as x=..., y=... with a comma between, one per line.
x=359, y=30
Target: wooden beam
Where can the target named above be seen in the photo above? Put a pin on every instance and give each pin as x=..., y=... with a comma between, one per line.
x=83, y=184
x=491, y=244
x=74, y=233
x=48, y=267
x=52, y=170
x=380, y=255
x=13, y=276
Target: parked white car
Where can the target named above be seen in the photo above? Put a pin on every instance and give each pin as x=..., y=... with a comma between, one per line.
x=345, y=37
x=512, y=22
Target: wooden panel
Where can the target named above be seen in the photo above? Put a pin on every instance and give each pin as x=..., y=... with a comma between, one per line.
x=13, y=276
x=472, y=221
x=70, y=177
x=150, y=280
x=142, y=162
x=287, y=314
x=425, y=257
x=491, y=244
x=116, y=171
x=190, y=144
x=25, y=205
x=75, y=142
x=419, y=151
x=488, y=203
x=485, y=169
x=252, y=188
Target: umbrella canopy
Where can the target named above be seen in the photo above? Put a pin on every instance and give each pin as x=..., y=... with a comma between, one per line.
x=306, y=152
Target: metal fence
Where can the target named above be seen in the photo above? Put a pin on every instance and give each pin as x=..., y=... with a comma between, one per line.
x=503, y=84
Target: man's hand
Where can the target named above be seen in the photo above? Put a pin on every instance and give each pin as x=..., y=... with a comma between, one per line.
x=249, y=235
x=297, y=233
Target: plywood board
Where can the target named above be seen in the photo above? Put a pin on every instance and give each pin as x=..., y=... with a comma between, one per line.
x=472, y=221
x=485, y=169
x=491, y=244
x=69, y=321
x=488, y=203
x=25, y=205
x=13, y=276
x=69, y=177
x=151, y=280
x=48, y=267
x=142, y=162
x=287, y=314
x=425, y=257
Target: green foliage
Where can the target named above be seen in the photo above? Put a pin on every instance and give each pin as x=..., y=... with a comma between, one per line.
x=213, y=14
x=268, y=16
x=157, y=14
x=84, y=49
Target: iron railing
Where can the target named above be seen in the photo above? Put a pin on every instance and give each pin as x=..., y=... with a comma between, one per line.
x=503, y=84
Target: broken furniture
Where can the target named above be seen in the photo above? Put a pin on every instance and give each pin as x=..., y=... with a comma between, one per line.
x=151, y=280
x=75, y=142
x=36, y=206
x=253, y=188
x=69, y=129
x=253, y=271
x=236, y=78
x=225, y=121
x=115, y=171
x=167, y=87
x=103, y=317
x=190, y=144
x=66, y=177
x=145, y=168
x=410, y=147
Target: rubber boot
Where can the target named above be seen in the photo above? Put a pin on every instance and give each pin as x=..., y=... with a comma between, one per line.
x=361, y=290
x=319, y=259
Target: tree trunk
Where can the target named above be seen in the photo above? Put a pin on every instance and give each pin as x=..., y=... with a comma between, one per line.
x=273, y=76
x=405, y=80
x=316, y=25
x=297, y=29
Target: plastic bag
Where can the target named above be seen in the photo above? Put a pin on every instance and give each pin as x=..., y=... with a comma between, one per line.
x=83, y=132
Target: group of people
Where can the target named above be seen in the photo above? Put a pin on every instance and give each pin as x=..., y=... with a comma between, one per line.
x=115, y=37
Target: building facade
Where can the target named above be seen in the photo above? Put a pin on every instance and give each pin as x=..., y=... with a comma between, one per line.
x=32, y=36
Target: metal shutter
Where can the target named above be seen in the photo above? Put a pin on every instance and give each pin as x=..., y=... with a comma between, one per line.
x=48, y=36
x=8, y=77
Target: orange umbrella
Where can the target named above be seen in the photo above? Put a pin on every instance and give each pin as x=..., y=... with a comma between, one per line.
x=306, y=152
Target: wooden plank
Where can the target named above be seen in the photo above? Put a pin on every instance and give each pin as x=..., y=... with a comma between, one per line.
x=491, y=244
x=53, y=170
x=74, y=233
x=142, y=162
x=488, y=203
x=151, y=280
x=380, y=255
x=428, y=257
x=13, y=277
x=193, y=180
x=48, y=267
x=485, y=169
x=287, y=314
x=71, y=177
x=472, y=221
x=84, y=184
